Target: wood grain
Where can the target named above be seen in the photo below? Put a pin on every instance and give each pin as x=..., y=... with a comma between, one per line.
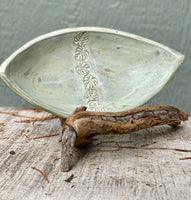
x=118, y=175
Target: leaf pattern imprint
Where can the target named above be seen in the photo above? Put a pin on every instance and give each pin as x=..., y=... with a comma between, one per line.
x=94, y=105
x=90, y=81
x=92, y=95
x=81, y=53
x=83, y=68
x=81, y=38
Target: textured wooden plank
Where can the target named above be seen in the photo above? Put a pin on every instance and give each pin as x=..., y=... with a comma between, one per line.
x=123, y=174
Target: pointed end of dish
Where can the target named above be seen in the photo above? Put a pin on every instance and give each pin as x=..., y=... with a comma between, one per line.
x=1, y=71
x=3, y=68
x=180, y=58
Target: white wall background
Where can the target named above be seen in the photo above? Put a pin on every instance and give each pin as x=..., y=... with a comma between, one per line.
x=165, y=21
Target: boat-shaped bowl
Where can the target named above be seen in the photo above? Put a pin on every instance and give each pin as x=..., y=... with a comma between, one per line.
x=103, y=69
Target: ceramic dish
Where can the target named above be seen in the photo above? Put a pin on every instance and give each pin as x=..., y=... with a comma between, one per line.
x=103, y=69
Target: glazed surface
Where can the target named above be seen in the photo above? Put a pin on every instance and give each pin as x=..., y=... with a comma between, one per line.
x=103, y=69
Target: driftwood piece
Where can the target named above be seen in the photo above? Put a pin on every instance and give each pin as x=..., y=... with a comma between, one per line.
x=88, y=124
x=80, y=127
x=115, y=175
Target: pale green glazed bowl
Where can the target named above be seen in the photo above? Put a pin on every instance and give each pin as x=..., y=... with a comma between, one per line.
x=103, y=69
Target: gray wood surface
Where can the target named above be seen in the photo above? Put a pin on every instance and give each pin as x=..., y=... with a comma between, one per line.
x=119, y=175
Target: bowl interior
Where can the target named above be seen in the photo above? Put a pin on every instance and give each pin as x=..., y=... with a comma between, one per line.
x=104, y=71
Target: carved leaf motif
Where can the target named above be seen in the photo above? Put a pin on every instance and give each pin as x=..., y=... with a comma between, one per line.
x=95, y=106
x=81, y=38
x=90, y=81
x=81, y=53
x=83, y=68
x=92, y=95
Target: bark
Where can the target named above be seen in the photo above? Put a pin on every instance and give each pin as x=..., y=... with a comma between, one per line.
x=81, y=126
x=88, y=124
